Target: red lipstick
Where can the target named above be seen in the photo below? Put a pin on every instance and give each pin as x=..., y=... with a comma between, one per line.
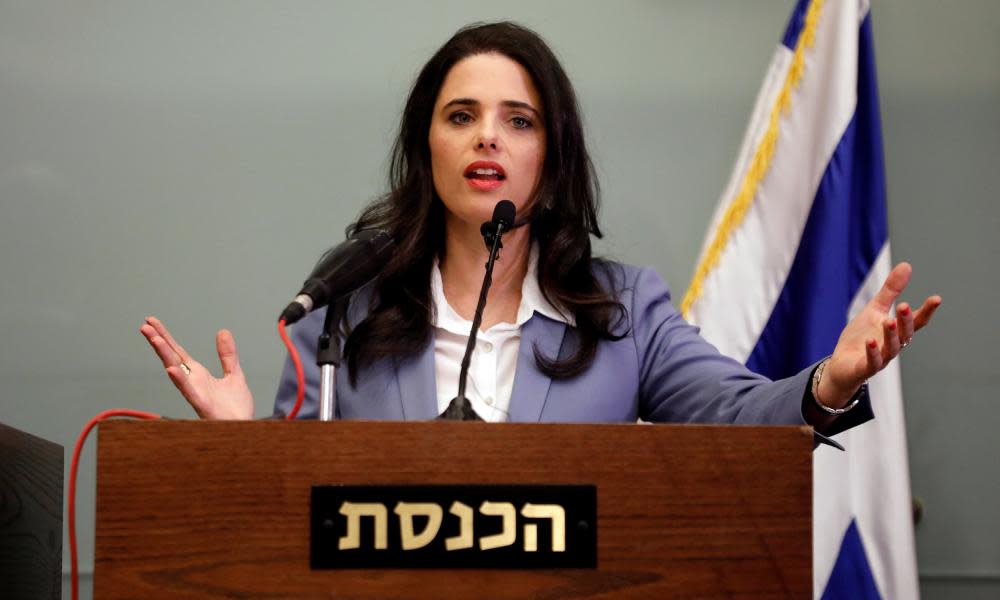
x=485, y=175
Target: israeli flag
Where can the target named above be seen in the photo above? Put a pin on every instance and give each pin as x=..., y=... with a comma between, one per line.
x=798, y=244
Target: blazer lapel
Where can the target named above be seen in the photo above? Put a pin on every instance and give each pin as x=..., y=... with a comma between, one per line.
x=531, y=386
x=417, y=388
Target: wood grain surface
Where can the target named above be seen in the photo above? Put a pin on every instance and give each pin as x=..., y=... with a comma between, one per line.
x=31, y=505
x=189, y=509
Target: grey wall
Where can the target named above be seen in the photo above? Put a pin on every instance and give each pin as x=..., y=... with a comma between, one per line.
x=192, y=159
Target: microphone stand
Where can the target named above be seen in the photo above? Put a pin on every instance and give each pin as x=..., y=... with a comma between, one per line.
x=460, y=409
x=328, y=357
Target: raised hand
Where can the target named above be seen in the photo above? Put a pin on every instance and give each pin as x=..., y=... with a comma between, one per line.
x=873, y=338
x=211, y=397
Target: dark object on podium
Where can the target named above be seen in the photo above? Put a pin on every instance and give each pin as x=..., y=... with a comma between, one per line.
x=189, y=509
x=460, y=409
x=31, y=505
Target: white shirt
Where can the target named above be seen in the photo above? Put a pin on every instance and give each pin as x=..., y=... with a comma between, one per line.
x=494, y=360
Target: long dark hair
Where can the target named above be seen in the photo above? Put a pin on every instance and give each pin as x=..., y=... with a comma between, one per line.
x=564, y=214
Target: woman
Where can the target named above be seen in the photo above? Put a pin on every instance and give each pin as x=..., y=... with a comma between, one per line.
x=564, y=337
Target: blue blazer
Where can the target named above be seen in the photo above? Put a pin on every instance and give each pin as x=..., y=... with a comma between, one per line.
x=662, y=371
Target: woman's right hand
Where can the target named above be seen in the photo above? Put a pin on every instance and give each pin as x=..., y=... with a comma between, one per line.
x=225, y=398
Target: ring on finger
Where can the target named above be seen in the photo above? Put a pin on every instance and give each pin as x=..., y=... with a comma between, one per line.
x=187, y=369
x=906, y=343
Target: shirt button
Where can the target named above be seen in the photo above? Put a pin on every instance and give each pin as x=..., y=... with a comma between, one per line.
x=489, y=400
x=487, y=347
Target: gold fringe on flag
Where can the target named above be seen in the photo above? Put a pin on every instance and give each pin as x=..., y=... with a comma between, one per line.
x=760, y=164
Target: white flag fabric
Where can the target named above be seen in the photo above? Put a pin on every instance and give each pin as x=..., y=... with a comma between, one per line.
x=798, y=244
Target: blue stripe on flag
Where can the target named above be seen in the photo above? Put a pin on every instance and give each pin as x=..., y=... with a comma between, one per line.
x=851, y=578
x=795, y=24
x=844, y=233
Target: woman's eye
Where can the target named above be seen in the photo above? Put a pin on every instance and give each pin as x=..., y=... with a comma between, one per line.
x=461, y=118
x=520, y=123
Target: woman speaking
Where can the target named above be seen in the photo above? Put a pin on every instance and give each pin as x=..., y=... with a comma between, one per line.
x=564, y=336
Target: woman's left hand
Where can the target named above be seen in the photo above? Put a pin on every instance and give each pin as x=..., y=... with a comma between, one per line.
x=873, y=338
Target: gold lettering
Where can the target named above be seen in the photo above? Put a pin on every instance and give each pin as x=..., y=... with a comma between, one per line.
x=406, y=512
x=354, y=511
x=554, y=513
x=508, y=535
x=464, y=538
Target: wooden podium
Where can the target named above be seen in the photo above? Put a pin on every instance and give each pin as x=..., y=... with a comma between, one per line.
x=190, y=509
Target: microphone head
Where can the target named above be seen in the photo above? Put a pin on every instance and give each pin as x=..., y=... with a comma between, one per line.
x=504, y=213
x=503, y=218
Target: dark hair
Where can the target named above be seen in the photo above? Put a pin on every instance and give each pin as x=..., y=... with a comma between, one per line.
x=565, y=212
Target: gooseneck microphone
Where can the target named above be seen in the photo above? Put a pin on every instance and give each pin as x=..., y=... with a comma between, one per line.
x=460, y=409
x=340, y=271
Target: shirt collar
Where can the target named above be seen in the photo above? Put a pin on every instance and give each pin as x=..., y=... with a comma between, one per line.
x=532, y=301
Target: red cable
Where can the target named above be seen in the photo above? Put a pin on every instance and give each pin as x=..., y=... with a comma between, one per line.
x=115, y=412
x=299, y=373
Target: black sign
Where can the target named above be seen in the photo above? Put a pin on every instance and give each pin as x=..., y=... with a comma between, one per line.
x=454, y=526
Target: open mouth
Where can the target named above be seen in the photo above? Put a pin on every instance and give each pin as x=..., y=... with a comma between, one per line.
x=485, y=171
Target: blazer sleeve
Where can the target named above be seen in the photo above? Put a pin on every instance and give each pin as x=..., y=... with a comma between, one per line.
x=685, y=379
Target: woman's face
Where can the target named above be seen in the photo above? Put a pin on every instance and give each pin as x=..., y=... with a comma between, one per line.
x=487, y=138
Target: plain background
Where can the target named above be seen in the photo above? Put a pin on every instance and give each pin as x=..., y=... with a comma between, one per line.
x=192, y=160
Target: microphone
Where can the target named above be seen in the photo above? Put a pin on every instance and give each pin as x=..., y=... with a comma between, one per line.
x=340, y=271
x=460, y=409
x=503, y=217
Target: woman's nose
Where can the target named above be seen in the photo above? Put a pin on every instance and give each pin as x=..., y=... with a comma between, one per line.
x=488, y=137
